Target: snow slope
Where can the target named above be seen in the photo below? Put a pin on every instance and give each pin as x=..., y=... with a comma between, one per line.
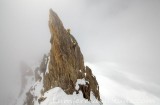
x=122, y=88
x=57, y=96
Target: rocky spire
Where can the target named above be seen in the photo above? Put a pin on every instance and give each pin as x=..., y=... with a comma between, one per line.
x=66, y=63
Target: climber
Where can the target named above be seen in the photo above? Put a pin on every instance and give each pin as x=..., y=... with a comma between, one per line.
x=72, y=38
x=74, y=42
x=68, y=31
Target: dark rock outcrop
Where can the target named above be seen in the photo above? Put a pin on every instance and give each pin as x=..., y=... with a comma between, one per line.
x=43, y=64
x=41, y=99
x=41, y=69
x=29, y=99
x=66, y=63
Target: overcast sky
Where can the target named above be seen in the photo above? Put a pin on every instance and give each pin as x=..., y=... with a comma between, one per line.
x=123, y=33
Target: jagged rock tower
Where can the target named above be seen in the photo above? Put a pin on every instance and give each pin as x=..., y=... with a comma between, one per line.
x=66, y=63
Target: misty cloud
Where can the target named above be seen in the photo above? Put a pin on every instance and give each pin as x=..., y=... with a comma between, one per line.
x=124, y=32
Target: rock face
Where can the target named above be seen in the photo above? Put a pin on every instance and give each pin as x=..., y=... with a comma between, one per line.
x=66, y=63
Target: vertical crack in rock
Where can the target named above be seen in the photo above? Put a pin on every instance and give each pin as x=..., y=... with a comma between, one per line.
x=66, y=63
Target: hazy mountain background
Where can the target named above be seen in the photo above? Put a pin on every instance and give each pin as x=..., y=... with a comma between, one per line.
x=120, y=38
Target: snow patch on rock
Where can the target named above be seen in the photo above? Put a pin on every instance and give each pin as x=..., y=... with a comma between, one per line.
x=47, y=70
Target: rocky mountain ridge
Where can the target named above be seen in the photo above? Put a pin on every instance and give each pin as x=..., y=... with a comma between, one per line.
x=66, y=62
x=63, y=67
